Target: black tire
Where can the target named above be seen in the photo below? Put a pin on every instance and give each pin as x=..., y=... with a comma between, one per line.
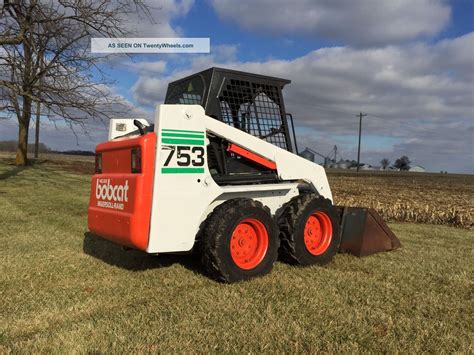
x=215, y=240
x=292, y=223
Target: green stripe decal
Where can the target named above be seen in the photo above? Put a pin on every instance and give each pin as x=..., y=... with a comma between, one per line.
x=182, y=170
x=182, y=135
x=181, y=131
x=182, y=141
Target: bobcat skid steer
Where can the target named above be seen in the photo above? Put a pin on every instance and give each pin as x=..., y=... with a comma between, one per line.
x=217, y=174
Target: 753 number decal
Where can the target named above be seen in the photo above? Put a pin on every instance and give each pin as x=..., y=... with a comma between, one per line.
x=186, y=156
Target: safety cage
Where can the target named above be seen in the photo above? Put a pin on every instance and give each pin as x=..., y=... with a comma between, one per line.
x=250, y=102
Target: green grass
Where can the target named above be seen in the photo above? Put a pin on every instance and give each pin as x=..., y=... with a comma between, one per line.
x=64, y=290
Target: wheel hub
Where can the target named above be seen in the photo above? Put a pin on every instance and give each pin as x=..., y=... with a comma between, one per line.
x=318, y=233
x=249, y=243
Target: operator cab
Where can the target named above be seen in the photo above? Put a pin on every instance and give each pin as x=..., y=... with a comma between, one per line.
x=250, y=102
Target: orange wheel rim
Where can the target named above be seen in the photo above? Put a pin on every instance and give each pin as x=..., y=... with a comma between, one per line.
x=249, y=243
x=317, y=233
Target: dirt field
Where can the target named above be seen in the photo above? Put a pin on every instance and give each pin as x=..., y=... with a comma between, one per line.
x=65, y=290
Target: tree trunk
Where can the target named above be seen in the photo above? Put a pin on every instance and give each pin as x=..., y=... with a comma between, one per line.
x=23, y=125
x=21, y=152
x=37, y=133
x=24, y=119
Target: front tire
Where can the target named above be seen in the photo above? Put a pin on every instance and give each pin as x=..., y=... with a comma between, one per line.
x=239, y=241
x=309, y=230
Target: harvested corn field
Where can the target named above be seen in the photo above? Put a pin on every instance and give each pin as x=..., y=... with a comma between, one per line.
x=445, y=199
x=408, y=197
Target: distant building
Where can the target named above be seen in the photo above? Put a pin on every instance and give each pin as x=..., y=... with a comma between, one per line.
x=366, y=167
x=362, y=166
x=417, y=169
x=307, y=154
x=343, y=164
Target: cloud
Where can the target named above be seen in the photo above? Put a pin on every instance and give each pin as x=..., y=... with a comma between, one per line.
x=417, y=95
x=148, y=67
x=359, y=23
x=149, y=91
x=162, y=12
x=436, y=147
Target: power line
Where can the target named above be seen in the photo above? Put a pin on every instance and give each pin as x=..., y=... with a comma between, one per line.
x=376, y=116
x=325, y=108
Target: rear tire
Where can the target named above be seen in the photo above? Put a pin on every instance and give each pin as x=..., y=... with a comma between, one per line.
x=238, y=241
x=309, y=230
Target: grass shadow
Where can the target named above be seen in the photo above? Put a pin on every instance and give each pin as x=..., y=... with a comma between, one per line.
x=12, y=172
x=15, y=170
x=135, y=260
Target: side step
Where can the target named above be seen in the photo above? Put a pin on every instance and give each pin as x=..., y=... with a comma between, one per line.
x=364, y=232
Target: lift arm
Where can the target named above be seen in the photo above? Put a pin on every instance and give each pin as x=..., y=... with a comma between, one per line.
x=289, y=166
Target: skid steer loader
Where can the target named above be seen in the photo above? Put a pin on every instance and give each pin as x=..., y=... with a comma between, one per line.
x=217, y=174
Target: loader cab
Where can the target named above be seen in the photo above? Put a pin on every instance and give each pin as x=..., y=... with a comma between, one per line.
x=189, y=91
x=250, y=102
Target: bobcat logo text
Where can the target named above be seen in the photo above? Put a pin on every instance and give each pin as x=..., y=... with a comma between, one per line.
x=111, y=196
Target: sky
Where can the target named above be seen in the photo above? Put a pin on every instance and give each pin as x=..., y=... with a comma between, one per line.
x=408, y=64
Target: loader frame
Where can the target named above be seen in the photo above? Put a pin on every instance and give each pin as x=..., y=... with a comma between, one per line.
x=216, y=170
x=195, y=192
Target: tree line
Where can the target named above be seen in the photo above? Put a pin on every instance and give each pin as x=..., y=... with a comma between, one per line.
x=11, y=146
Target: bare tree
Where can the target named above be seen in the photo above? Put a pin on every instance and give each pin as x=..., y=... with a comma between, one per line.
x=385, y=163
x=45, y=58
x=402, y=163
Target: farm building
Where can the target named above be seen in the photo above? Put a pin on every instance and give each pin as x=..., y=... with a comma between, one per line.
x=417, y=169
x=344, y=164
x=363, y=166
x=307, y=154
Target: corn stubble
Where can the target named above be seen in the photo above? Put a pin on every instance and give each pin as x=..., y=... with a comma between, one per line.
x=409, y=197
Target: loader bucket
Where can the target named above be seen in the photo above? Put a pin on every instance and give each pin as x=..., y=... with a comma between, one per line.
x=364, y=232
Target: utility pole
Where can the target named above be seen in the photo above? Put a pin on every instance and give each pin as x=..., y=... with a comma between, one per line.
x=360, y=115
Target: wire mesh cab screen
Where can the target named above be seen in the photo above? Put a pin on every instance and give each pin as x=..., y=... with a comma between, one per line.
x=187, y=92
x=254, y=108
x=250, y=102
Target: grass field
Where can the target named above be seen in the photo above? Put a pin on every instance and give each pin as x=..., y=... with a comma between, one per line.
x=64, y=290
